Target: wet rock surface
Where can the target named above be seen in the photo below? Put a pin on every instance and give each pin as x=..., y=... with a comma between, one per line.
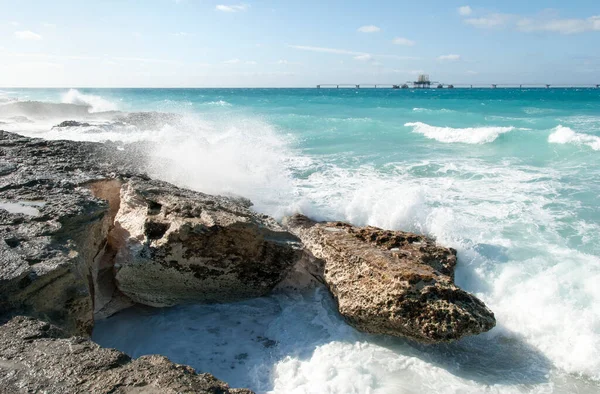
x=38, y=357
x=391, y=282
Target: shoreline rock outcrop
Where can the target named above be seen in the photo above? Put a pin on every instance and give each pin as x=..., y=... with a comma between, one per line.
x=36, y=356
x=84, y=233
x=391, y=282
x=176, y=246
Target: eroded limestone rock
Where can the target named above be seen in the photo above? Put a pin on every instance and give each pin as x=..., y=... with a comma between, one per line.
x=176, y=246
x=52, y=226
x=391, y=282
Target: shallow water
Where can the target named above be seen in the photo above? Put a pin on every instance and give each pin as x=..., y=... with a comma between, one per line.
x=509, y=178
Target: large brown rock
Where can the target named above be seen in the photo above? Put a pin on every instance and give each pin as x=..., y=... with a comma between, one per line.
x=391, y=282
x=36, y=357
x=175, y=246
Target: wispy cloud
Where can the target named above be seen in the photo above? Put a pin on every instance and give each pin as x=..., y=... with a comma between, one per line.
x=489, y=21
x=356, y=54
x=411, y=72
x=448, y=58
x=546, y=21
x=232, y=61
x=557, y=25
x=251, y=62
x=364, y=58
x=327, y=50
x=27, y=35
x=369, y=29
x=403, y=41
x=232, y=8
x=465, y=10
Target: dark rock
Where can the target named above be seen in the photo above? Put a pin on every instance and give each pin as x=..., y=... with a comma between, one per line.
x=72, y=123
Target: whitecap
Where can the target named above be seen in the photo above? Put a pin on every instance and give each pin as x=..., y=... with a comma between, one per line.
x=469, y=135
x=566, y=135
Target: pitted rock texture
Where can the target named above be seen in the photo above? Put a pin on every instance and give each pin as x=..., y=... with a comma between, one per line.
x=391, y=282
x=175, y=246
x=36, y=357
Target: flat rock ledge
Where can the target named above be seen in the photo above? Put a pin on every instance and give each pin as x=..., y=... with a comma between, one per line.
x=391, y=282
x=37, y=357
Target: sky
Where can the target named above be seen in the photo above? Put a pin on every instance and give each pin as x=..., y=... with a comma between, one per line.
x=281, y=43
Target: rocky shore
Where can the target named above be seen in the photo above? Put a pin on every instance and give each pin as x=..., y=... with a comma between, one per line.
x=86, y=234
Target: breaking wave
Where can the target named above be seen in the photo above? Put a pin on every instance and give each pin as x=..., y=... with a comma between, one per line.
x=566, y=135
x=469, y=135
x=94, y=103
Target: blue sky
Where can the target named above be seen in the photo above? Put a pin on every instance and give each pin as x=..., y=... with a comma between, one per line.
x=204, y=43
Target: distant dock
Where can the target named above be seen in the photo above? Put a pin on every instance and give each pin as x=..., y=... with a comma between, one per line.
x=423, y=82
x=458, y=85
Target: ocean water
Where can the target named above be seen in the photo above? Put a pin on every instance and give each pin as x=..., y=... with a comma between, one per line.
x=508, y=177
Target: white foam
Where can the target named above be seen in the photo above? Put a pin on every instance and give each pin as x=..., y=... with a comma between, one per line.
x=219, y=103
x=469, y=135
x=442, y=110
x=511, y=248
x=566, y=135
x=95, y=103
x=297, y=343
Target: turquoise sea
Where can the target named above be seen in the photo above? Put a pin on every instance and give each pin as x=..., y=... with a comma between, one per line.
x=508, y=177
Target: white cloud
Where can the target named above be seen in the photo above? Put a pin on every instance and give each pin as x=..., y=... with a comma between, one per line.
x=489, y=21
x=449, y=58
x=403, y=41
x=232, y=8
x=465, y=10
x=364, y=58
x=27, y=35
x=231, y=61
x=251, y=62
x=369, y=29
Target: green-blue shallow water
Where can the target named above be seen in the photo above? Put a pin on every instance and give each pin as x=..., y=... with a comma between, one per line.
x=509, y=177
